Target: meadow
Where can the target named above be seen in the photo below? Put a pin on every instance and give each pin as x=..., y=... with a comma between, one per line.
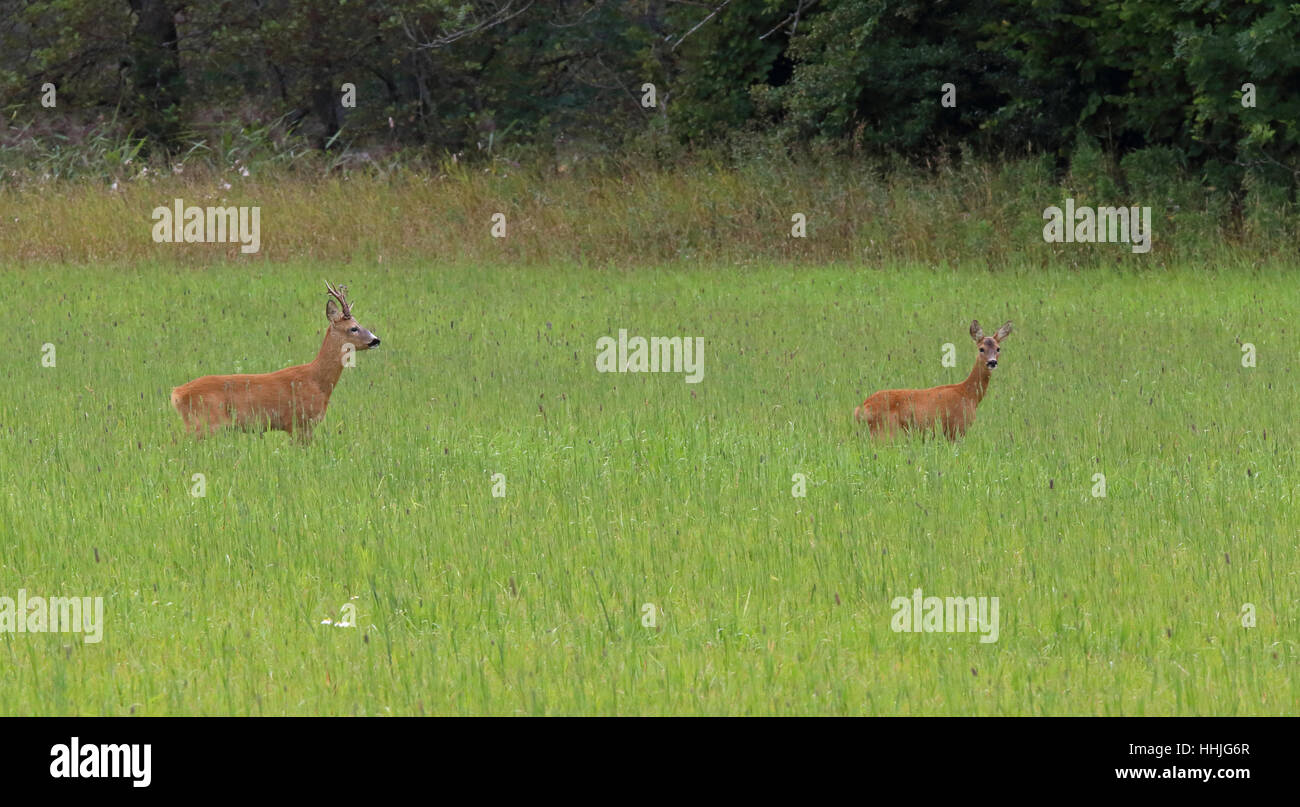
x=627, y=490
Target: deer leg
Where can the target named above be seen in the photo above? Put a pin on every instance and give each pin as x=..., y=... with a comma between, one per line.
x=883, y=426
x=195, y=426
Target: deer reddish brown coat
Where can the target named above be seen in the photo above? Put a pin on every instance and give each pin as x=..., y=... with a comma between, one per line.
x=291, y=399
x=950, y=408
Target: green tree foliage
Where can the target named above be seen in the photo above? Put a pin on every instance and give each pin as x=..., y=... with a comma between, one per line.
x=871, y=72
x=1143, y=73
x=743, y=46
x=1028, y=76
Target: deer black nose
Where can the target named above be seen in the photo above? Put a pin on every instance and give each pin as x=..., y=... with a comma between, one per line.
x=374, y=342
x=993, y=363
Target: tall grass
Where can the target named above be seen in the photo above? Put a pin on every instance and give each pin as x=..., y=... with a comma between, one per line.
x=627, y=490
x=639, y=213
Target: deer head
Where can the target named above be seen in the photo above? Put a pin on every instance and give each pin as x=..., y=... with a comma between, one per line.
x=989, y=346
x=339, y=312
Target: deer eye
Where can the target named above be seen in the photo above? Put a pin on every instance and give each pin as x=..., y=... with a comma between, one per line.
x=353, y=329
x=981, y=350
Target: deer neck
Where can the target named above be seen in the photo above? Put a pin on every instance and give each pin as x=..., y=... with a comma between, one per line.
x=977, y=383
x=328, y=365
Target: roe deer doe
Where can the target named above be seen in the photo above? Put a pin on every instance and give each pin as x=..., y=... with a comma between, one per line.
x=951, y=407
x=290, y=399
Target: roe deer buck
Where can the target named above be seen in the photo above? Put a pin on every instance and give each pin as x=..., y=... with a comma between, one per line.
x=951, y=407
x=288, y=399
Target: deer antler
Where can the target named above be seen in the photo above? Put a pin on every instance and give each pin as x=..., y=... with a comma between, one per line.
x=340, y=294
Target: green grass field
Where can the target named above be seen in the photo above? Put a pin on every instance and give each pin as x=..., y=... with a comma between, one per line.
x=624, y=490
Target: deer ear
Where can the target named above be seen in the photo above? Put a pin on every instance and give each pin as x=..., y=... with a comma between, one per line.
x=976, y=332
x=1003, y=332
x=332, y=311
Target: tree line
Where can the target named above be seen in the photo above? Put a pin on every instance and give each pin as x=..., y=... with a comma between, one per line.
x=1198, y=86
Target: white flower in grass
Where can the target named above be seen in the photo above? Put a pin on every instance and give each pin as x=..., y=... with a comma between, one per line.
x=327, y=621
x=243, y=170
